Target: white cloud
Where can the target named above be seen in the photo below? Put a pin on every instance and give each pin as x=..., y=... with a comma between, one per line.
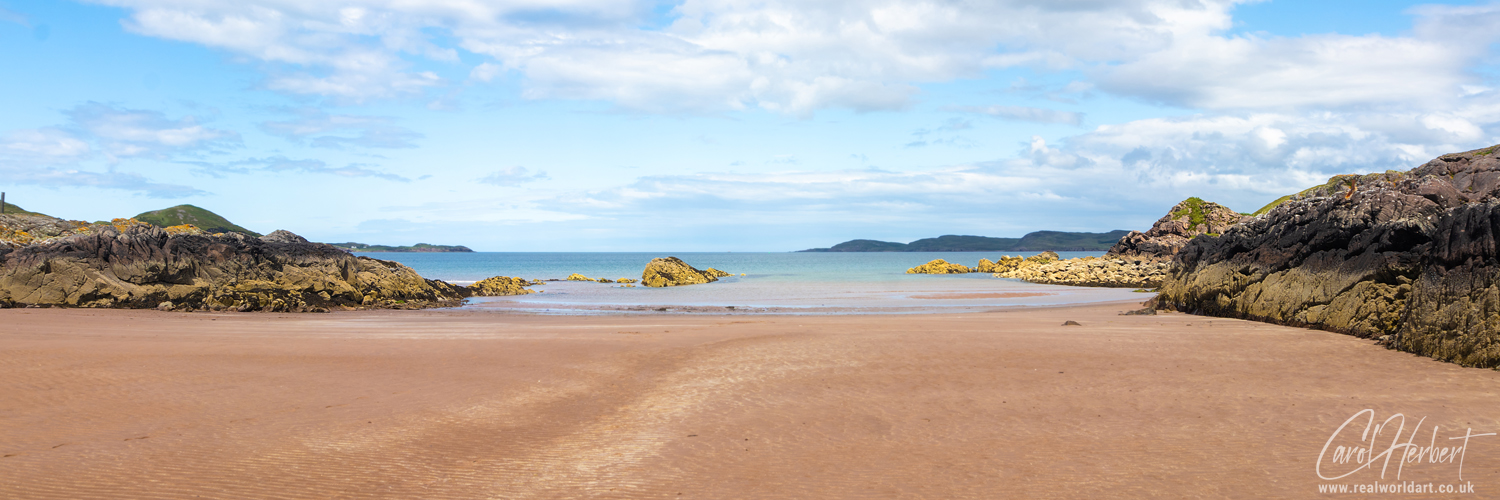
x=44, y=145
x=282, y=164
x=797, y=56
x=321, y=129
x=125, y=133
x=513, y=176
x=1025, y=113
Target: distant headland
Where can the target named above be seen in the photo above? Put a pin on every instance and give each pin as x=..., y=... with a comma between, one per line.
x=1057, y=241
x=420, y=247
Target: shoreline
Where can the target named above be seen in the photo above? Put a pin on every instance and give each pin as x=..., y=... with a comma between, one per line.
x=435, y=404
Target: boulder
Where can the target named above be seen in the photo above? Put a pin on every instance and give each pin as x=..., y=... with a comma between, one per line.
x=939, y=266
x=130, y=265
x=716, y=273
x=626, y=280
x=1409, y=258
x=579, y=277
x=1189, y=219
x=279, y=236
x=500, y=286
x=672, y=271
x=1005, y=264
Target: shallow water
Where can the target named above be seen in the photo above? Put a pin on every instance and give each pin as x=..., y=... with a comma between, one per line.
x=795, y=283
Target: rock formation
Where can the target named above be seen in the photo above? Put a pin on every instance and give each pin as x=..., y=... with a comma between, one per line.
x=626, y=280
x=939, y=266
x=1409, y=258
x=499, y=286
x=141, y=266
x=579, y=277
x=672, y=271
x=1132, y=272
x=716, y=273
x=18, y=230
x=1189, y=219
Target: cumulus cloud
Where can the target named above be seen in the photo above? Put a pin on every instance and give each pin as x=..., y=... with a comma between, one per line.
x=55, y=156
x=320, y=129
x=49, y=158
x=711, y=55
x=797, y=56
x=133, y=133
x=513, y=176
x=43, y=145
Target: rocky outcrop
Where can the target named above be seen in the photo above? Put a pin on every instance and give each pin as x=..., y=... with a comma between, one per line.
x=626, y=280
x=939, y=266
x=141, y=266
x=500, y=286
x=579, y=277
x=18, y=230
x=672, y=271
x=1189, y=219
x=716, y=273
x=1093, y=271
x=1410, y=258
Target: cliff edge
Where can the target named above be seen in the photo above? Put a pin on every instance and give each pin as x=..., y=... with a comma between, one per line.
x=1409, y=258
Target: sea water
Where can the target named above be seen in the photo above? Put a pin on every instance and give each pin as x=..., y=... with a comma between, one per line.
x=797, y=283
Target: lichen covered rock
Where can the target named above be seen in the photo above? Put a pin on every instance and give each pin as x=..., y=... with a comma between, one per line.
x=716, y=273
x=142, y=266
x=1092, y=271
x=500, y=286
x=18, y=230
x=939, y=266
x=1189, y=219
x=579, y=277
x=1409, y=258
x=672, y=271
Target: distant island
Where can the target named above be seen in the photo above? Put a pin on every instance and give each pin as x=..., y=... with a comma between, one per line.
x=420, y=247
x=1057, y=241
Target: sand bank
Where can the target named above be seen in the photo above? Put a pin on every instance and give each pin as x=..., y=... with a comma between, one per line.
x=445, y=404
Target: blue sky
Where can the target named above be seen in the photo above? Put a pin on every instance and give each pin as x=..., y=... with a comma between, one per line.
x=768, y=125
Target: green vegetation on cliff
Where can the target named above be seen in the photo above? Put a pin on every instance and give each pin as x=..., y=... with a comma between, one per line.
x=1032, y=242
x=188, y=214
x=1193, y=209
x=420, y=247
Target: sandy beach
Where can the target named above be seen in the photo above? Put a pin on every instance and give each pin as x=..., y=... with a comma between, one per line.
x=483, y=404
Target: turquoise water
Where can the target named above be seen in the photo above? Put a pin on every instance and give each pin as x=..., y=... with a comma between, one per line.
x=795, y=283
x=781, y=266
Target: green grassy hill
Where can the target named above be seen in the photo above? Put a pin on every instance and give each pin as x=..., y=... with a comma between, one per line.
x=188, y=214
x=12, y=209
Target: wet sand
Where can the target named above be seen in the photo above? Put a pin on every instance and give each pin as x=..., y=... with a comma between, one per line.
x=481, y=404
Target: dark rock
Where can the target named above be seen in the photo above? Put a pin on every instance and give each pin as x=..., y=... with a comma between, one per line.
x=1409, y=256
x=1071, y=323
x=143, y=266
x=1187, y=220
x=1145, y=311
